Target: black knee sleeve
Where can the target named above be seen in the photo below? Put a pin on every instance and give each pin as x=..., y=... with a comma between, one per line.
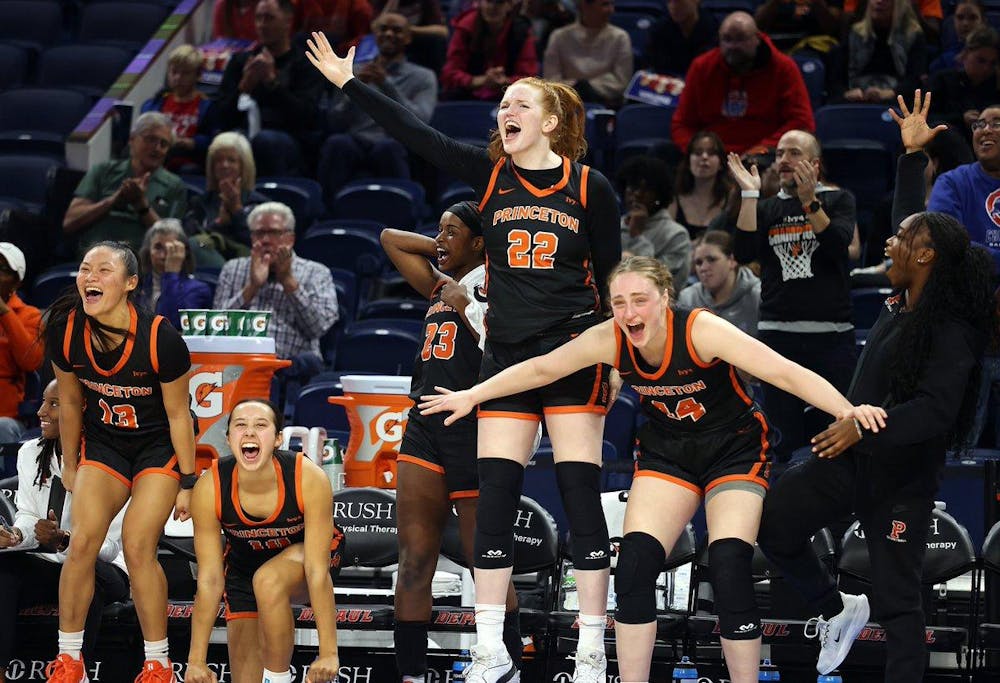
x=640, y=561
x=730, y=564
x=500, y=484
x=580, y=489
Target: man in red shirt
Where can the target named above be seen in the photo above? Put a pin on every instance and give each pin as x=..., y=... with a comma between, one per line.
x=745, y=90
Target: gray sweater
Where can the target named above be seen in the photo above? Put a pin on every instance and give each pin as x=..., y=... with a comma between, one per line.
x=741, y=308
x=665, y=240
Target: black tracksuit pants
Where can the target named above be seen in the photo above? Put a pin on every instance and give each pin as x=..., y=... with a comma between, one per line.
x=819, y=492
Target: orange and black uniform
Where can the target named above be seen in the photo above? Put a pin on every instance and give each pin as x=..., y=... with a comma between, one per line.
x=250, y=542
x=449, y=357
x=703, y=429
x=125, y=428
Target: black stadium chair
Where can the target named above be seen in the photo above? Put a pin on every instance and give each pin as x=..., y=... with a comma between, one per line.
x=814, y=74
x=865, y=167
x=124, y=24
x=852, y=121
x=386, y=204
x=638, y=127
x=13, y=66
x=415, y=309
x=91, y=69
x=385, y=350
x=50, y=284
x=38, y=120
x=27, y=178
x=468, y=122
x=353, y=250
x=31, y=24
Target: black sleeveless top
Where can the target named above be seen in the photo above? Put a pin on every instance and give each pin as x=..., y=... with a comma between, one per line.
x=684, y=394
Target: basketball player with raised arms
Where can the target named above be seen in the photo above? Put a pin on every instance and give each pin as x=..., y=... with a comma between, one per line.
x=123, y=390
x=274, y=509
x=703, y=439
x=550, y=228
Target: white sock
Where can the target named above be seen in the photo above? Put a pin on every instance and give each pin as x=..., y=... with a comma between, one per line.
x=591, y=632
x=413, y=679
x=71, y=643
x=277, y=676
x=156, y=651
x=489, y=626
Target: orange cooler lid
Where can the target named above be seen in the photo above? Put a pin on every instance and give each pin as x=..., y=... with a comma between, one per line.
x=254, y=345
x=374, y=384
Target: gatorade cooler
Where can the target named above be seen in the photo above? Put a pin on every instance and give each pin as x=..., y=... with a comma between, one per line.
x=224, y=371
x=377, y=407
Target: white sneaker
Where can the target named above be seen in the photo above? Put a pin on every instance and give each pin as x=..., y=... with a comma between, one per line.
x=491, y=667
x=837, y=634
x=591, y=667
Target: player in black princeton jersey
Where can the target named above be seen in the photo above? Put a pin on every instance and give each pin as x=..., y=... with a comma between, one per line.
x=275, y=510
x=703, y=439
x=437, y=466
x=123, y=388
x=551, y=232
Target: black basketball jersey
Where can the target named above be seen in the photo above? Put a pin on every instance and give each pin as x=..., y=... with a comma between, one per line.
x=251, y=542
x=450, y=355
x=684, y=393
x=121, y=388
x=538, y=257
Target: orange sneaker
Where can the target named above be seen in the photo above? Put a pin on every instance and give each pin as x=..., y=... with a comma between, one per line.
x=154, y=672
x=65, y=669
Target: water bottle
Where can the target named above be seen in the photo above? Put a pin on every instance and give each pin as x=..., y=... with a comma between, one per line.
x=833, y=677
x=333, y=463
x=458, y=667
x=685, y=670
x=768, y=672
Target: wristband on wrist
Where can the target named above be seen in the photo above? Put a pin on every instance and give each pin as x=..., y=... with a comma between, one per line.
x=750, y=194
x=857, y=425
x=188, y=481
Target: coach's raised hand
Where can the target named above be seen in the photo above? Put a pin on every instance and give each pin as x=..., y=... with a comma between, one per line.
x=337, y=70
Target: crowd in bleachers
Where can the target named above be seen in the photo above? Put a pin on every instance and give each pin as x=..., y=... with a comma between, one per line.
x=271, y=129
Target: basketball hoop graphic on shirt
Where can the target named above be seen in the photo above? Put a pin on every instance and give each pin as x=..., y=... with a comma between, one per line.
x=794, y=246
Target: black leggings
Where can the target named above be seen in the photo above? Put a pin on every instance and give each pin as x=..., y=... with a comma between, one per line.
x=818, y=493
x=27, y=580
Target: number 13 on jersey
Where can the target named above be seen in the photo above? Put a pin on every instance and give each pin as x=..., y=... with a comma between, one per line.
x=529, y=250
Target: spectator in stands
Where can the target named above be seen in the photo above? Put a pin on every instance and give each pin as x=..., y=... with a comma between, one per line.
x=545, y=16
x=40, y=537
x=969, y=192
x=428, y=30
x=800, y=19
x=964, y=92
x=591, y=54
x=166, y=265
x=358, y=143
x=187, y=108
x=298, y=292
x=676, y=39
x=726, y=288
x=274, y=88
x=20, y=351
x=234, y=19
x=701, y=190
x=927, y=12
x=491, y=46
x=647, y=227
x=886, y=53
x=217, y=220
x=344, y=22
x=967, y=17
x=801, y=238
x=745, y=90
x=120, y=199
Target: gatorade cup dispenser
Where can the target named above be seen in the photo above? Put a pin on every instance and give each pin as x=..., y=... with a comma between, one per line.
x=224, y=371
x=377, y=407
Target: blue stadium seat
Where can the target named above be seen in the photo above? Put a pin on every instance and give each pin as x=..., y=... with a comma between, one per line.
x=599, y=131
x=411, y=187
x=13, y=66
x=209, y=276
x=384, y=350
x=50, y=284
x=347, y=291
x=414, y=309
x=27, y=178
x=125, y=24
x=31, y=24
x=374, y=228
x=387, y=204
x=292, y=196
x=412, y=326
x=619, y=426
x=454, y=193
x=310, y=186
x=468, y=122
x=814, y=74
x=38, y=120
x=640, y=126
x=636, y=25
x=91, y=69
x=656, y=8
x=865, y=167
x=354, y=250
x=313, y=410
x=853, y=121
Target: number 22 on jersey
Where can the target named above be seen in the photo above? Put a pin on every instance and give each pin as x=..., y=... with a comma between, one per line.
x=529, y=250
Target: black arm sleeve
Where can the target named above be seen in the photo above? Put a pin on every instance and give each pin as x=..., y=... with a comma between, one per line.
x=468, y=163
x=745, y=243
x=54, y=334
x=910, y=194
x=175, y=359
x=603, y=226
